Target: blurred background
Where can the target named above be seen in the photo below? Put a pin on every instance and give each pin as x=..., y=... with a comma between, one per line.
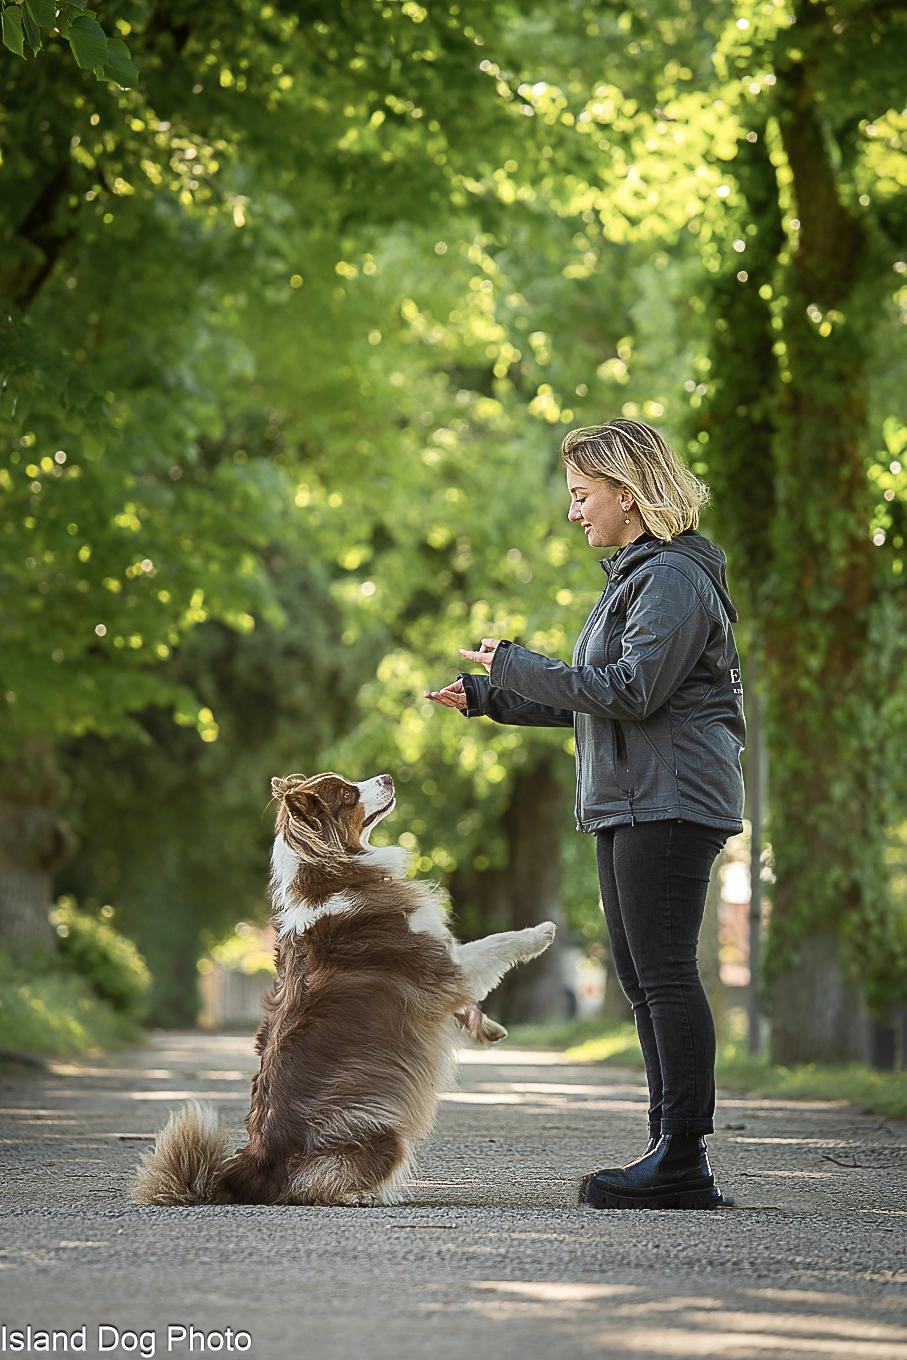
x=299, y=302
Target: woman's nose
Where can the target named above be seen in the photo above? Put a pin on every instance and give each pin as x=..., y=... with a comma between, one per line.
x=574, y=512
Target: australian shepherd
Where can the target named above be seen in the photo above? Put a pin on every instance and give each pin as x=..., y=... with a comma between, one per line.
x=361, y=1023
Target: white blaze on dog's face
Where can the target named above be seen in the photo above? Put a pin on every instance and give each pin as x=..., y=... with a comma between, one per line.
x=378, y=799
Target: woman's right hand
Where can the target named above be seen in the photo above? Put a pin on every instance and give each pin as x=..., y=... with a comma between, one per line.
x=452, y=696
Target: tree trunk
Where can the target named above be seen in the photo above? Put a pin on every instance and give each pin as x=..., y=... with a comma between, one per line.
x=34, y=844
x=522, y=894
x=788, y=410
x=173, y=961
x=168, y=932
x=817, y=1016
x=827, y=814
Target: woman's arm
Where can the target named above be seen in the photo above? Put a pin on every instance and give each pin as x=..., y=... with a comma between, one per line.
x=505, y=706
x=666, y=632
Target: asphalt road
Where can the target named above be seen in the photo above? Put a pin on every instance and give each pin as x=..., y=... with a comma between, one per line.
x=490, y=1256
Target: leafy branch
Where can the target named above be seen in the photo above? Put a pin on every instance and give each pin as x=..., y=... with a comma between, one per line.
x=109, y=58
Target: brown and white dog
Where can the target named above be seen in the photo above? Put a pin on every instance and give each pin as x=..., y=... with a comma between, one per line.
x=361, y=1024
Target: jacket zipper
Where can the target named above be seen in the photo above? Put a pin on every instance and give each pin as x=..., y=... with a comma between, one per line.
x=580, y=660
x=621, y=744
x=621, y=741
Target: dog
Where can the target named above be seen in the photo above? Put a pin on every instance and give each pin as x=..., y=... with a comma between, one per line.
x=361, y=1023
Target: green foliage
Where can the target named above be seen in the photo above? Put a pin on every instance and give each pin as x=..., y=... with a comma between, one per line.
x=242, y=951
x=295, y=327
x=109, y=963
x=47, y=1009
x=93, y=50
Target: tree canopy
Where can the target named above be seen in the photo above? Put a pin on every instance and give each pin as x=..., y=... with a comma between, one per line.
x=298, y=309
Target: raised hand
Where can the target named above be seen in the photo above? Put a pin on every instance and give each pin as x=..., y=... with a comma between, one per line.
x=452, y=696
x=485, y=655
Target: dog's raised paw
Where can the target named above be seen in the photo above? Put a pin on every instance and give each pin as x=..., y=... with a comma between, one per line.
x=540, y=937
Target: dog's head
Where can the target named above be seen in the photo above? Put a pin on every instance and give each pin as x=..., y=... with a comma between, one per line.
x=327, y=817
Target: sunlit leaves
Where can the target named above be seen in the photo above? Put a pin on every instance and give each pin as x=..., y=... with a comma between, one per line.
x=323, y=294
x=90, y=45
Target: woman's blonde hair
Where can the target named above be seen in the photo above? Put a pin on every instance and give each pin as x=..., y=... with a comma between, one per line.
x=631, y=454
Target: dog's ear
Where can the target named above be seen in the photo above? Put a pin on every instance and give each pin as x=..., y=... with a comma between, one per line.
x=306, y=806
x=312, y=830
x=281, y=786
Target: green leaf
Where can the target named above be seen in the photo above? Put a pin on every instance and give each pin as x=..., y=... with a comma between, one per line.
x=66, y=16
x=42, y=11
x=119, y=65
x=32, y=33
x=12, y=30
x=88, y=42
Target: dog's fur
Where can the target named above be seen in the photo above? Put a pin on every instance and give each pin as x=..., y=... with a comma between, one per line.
x=360, y=1027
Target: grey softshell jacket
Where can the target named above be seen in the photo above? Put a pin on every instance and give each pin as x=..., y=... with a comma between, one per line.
x=654, y=692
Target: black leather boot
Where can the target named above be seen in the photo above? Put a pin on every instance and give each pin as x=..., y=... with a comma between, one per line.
x=674, y=1174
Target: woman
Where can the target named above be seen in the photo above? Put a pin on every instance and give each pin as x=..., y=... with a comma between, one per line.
x=656, y=702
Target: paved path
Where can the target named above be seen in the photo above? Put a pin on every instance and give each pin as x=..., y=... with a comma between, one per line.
x=490, y=1256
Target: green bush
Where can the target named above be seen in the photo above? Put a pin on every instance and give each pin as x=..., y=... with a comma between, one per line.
x=48, y=1010
x=109, y=963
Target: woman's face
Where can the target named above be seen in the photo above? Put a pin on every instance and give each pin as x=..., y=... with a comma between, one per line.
x=596, y=504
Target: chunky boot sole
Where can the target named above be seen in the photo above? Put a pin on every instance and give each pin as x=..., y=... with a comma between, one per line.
x=699, y=1197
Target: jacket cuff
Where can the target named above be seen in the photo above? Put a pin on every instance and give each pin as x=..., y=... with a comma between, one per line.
x=499, y=664
x=473, y=707
x=514, y=667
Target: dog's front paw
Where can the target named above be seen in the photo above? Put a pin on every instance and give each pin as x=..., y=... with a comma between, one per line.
x=538, y=938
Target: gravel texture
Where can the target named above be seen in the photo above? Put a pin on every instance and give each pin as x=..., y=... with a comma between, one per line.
x=489, y=1255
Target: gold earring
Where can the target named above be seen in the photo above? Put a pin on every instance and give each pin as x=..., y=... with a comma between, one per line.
x=626, y=518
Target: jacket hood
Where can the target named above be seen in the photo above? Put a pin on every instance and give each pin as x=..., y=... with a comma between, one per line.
x=691, y=544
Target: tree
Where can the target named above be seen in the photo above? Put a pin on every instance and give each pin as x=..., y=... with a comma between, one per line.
x=802, y=372
x=128, y=519
x=383, y=257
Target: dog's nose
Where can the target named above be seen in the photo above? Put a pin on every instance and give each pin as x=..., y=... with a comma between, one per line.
x=386, y=780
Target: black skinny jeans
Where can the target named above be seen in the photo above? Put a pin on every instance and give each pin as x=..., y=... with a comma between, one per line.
x=653, y=879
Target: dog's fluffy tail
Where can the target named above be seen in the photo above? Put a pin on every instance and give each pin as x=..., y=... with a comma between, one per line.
x=186, y=1163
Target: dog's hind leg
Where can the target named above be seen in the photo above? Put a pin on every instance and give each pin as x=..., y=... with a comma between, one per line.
x=363, y=1173
x=486, y=961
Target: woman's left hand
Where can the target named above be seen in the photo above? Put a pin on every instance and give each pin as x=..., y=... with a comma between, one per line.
x=485, y=655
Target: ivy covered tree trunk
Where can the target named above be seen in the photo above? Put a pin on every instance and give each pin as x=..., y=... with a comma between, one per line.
x=526, y=891
x=828, y=813
x=797, y=311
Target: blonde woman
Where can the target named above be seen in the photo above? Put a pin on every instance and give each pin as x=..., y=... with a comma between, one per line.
x=654, y=696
